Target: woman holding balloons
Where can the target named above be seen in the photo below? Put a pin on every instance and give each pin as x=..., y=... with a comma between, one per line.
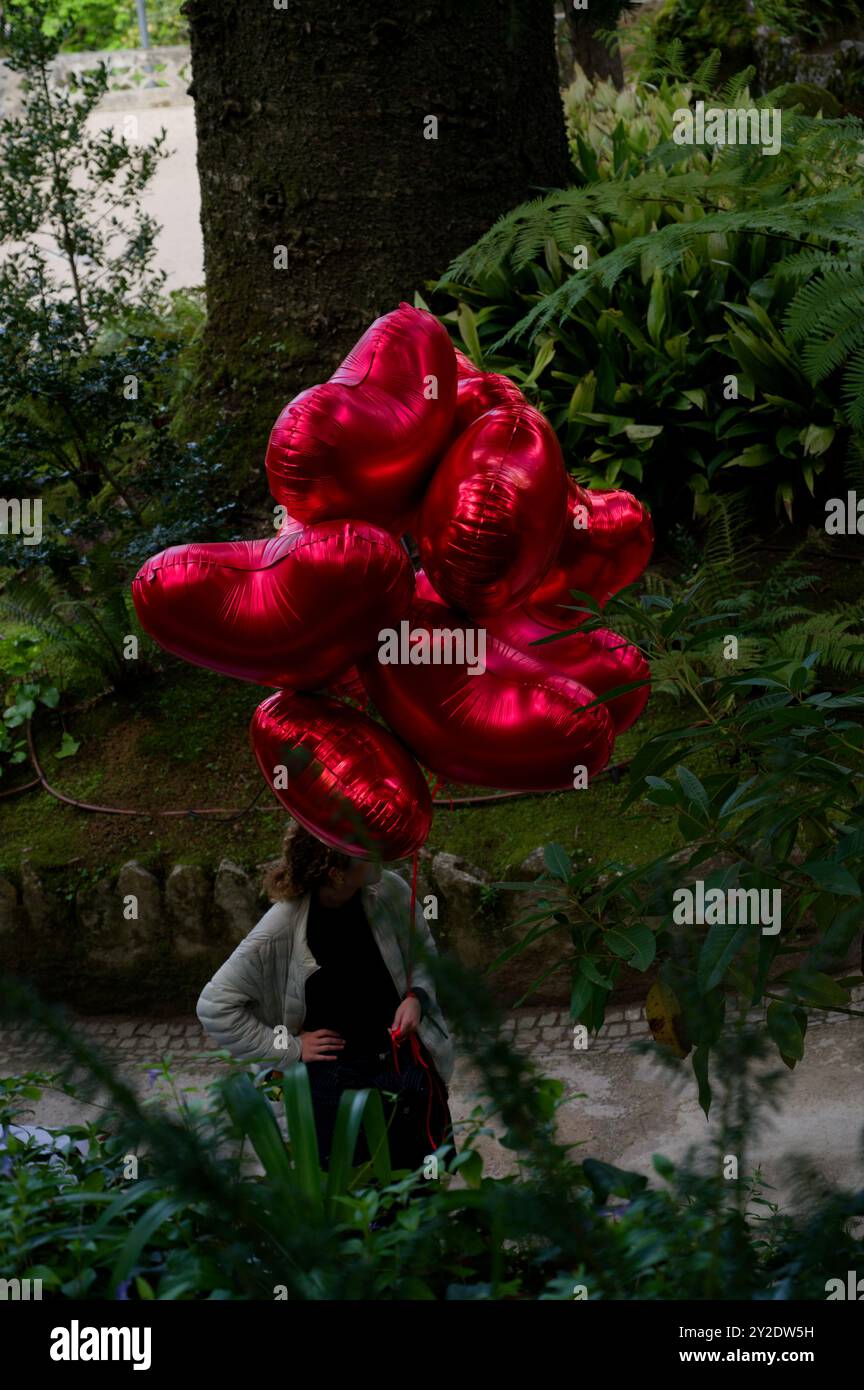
x=331, y=977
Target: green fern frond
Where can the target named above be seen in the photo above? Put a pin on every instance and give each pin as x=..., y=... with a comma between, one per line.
x=803, y=264
x=90, y=632
x=735, y=87
x=781, y=615
x=33, y=602
x=727, y=526
x=838, y=215
x=827, y=314
x=853, y=466
x=840, y=648
x=706, y=74
x=518, y=236
x=836, y=333
x=853, y=389
x=817, y=302
x=725, y=550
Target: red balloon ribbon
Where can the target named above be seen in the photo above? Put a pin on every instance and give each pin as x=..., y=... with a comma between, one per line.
x=416, y=1046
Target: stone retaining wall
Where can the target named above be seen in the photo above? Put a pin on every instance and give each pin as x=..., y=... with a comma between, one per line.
x=836, y=67
x=137, y=77
x=149, y=937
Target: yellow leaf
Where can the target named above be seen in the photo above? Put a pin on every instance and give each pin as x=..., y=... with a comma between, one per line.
x=663, y=1013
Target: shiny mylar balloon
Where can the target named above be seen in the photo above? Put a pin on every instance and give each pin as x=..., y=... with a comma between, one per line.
x=478, y=391
x=514, y=724
x=606, y=545
x=600, y=660
x=391, y=443
x=364, y=443
x=495, y=511
x=423, y=590
x=297, y=610
x=348, y=686
x=342, y=776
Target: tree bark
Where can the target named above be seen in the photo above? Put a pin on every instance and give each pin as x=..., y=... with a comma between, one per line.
x=589, y=51
x=313, y=125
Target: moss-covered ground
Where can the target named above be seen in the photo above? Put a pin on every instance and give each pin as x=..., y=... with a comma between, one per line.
x=181, y=741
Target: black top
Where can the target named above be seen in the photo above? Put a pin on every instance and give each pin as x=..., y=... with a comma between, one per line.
x=352, y=993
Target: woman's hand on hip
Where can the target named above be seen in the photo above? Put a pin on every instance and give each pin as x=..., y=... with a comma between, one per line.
x=322, y=1045
x=407, y=1017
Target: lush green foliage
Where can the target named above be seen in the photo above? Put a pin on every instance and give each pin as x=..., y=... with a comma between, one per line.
x=196, y=1220
x=765, y=776
x=698, y=26
x=775, y=611
x=730, y=25
x=26, y=690
x=92, y=25
x=703, y=266
x=90, y=361
x=93, y=360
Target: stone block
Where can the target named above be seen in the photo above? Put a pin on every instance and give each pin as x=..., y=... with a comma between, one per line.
x=460, y=887
x=235, y=901
x=188, y=907
x=41, y=907
x=11, y=912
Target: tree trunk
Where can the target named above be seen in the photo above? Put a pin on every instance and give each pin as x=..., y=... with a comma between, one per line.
x=314, y=124
x=589, y=51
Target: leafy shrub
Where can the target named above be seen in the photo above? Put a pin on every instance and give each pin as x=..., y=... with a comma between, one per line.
x=764, y=775
x=197, y=1221
x=671, y=362
x=93, y=362
x=91, y=25
x=697, y=26
x=811, y=20
x=165, y=22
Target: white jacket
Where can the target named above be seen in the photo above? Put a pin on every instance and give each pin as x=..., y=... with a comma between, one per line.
x=263, y=984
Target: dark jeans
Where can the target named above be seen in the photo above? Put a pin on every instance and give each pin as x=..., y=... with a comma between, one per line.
x=405, y=1116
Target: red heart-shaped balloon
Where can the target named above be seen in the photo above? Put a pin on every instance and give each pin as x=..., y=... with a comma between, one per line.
x=342, y=776
x=296, y=610
x=348, y=686
x=478, y=391
x=495, y=511
x=600, y=660
x=363, y=443
x=516, y=725
x=607, y=543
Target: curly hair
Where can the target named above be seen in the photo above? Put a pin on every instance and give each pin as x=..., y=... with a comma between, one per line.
x=304, y=866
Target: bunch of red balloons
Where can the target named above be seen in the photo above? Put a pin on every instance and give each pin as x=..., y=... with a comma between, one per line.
x=409, y=437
